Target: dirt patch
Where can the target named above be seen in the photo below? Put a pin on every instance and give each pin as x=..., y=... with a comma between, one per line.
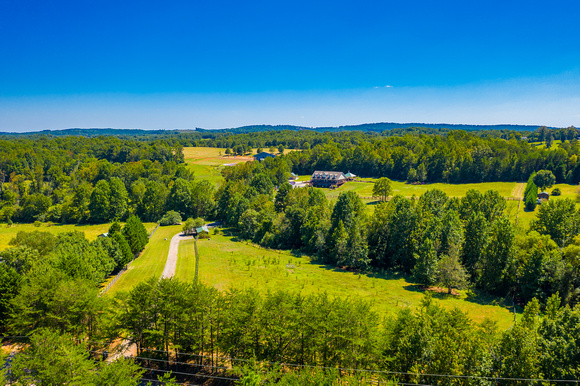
x=518, y=190
x=442, y=290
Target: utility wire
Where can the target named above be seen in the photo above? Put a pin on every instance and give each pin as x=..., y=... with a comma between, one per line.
x=368, y=370
x=380, y=371
x=192, y=374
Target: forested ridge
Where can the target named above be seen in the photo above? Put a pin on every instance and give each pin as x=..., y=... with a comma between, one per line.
x=49, y=283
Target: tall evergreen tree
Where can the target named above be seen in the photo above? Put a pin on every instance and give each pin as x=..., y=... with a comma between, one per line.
x=136, y=234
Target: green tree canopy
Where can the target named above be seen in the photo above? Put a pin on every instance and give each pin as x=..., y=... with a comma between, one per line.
x=544, y=179
x=382, y=188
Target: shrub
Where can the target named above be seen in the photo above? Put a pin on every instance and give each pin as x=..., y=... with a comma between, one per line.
x=556, y=192
x=170, y=218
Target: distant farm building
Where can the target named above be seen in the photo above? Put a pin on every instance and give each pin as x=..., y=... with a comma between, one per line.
x=321, y=179
x=349, y=176
x=262, y=156
x=543, y=196
x=103, y=235
x=293, y=176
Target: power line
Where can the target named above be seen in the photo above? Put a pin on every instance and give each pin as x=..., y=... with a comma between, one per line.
x=380, y=371
x=171, y=362
x=362, y=370
x=192, y=374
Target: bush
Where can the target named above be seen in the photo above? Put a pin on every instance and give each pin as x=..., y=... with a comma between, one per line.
x=556, y=192
x=170, y=218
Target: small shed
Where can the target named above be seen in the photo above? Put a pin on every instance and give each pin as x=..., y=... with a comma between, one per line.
x=200, y=230
x=544, y=196
x=293, y=176
x=103, y=235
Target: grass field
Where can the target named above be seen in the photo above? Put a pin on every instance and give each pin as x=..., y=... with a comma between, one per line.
x=227, y=263
x=568, y=191
x=365, y=189
x=151, y=261
x=91, y=231
x=206, y=162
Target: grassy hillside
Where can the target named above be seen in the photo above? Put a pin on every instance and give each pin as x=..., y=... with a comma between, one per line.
x=7, y=233
x=151, y=261
x=206, y=162
x=226, y=263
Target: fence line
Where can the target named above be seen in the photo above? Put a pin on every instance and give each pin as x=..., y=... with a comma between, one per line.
x=124, y=269
x=412, y=197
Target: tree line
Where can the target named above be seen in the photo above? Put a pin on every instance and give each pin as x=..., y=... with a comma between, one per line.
x=453, y=242
x=186, y=327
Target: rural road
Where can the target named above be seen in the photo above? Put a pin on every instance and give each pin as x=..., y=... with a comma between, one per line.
x=126, y=348
x=171, y=262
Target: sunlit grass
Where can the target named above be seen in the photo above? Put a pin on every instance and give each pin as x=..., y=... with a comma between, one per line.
x=151, y=262
x=91, y=232
x=226, y=263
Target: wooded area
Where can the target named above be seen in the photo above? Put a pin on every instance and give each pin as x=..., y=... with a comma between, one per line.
x=48, y=284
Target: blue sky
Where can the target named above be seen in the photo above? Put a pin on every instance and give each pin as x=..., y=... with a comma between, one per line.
x=213, y=64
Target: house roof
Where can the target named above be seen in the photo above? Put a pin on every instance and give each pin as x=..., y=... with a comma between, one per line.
x=350, y=175
x=546, y=193
x=294, y=174
x=322, y=175
x=202, y=229
x=263, y=155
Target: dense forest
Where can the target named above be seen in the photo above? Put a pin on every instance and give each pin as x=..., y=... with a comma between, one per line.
x=79, y=180
x=48, y=284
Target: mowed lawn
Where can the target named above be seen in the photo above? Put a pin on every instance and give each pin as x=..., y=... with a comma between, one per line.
x=151, y=262
x=91, y=232
x=226, y=263
x=365, y=189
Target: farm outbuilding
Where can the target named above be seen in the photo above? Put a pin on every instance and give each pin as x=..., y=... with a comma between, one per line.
x=544, y=196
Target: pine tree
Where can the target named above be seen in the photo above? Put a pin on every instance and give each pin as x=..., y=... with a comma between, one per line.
x=425, y=270
x=136, y=234
x=124, y=247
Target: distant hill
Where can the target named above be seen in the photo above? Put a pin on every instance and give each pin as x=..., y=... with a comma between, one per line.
x=382, y=126
x=93, y=132
x=373, y=127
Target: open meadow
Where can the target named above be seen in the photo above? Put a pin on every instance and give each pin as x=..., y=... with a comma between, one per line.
x=207, y=162
x=91, y=232
x=225, y=263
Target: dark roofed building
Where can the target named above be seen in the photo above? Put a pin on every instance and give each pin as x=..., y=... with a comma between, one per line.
x=321, y=179
x=543, y=196
x=262, y=156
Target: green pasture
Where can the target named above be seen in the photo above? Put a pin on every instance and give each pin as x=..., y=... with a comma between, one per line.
x=542, y=145
x=7, y=233
x=206, y=162
x=151, y=262
x=568, y=191
x=365, y=189
x=225, y=263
